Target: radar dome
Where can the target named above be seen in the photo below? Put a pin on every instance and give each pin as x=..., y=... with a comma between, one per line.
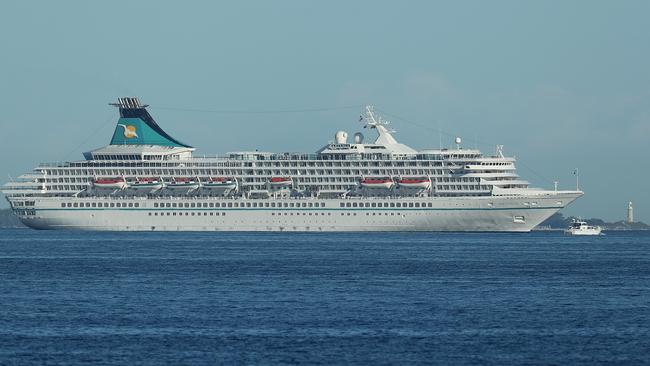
x=358, y=138
x=341, y=137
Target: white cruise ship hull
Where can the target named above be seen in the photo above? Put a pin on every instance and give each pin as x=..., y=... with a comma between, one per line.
x=490, y=213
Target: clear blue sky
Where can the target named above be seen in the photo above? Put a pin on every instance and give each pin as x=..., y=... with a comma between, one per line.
x=562, y=84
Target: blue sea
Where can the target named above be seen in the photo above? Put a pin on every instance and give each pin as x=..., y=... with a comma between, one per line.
x=70, y=298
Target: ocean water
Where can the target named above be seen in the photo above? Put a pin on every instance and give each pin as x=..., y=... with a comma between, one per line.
x=70, y=298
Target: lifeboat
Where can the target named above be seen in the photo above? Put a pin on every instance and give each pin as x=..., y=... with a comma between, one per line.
x=110, y=183
x=377, y=182
x=414, y=182
x=151, y=184
x=221, y=183
x=281, y=181
x=184, y=183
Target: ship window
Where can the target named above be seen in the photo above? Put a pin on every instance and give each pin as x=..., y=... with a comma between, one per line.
x=155, y=213
x=410, y=204
x=155, y=205
x=322, y=204
x=192, y=204
x=519, y=219
x=112, y=204
x=63, y=205
x=138, y=205
x=94, y=204
x=118, y=204
x=211, y=204
x=379, y=204
x=367, y=204
x=192, y=213
x=354, y=204
x=69, y=204
x=392, y=204
x=398, y=204
x=417, y=204
x=348, y=204
x=272, y=204
x=373, y=204
x=342, y=204
x=130, y=204
x=229, y=204
x=266, y=204
x=87, y=204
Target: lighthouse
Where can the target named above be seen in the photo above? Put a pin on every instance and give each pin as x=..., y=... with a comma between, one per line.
x=630, y=213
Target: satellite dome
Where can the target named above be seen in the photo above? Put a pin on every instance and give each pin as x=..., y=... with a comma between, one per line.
x=341, y=137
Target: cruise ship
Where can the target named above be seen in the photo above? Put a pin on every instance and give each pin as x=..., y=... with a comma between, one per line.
x=146, y=180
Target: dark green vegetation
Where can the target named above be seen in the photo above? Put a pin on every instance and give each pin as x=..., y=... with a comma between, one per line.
x=558, y=221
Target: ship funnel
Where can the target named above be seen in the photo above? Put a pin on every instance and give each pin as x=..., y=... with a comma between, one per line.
x=137, y=127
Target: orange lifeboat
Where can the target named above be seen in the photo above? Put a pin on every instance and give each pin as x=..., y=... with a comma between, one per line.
x=220, y=182
x=110, y=183
x=281, y=181
x=184, y=183
x=414, y=182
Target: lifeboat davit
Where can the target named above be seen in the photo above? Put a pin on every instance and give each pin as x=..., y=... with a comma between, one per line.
x=415, y=182
x=184, y=184
x=380, y=182
x=281, y=181
x=151, y=184
x=221, y=183
x=110, y=183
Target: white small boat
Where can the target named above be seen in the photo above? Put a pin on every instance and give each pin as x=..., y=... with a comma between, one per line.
x=414, y=182
x=110, y=183
x=377, y=182
x=183, y=184
x=220, y=183
x=579, y=227
x=144, y=184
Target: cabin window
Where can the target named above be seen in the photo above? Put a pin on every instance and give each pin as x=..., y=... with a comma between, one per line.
x=410, y=204
x=112, y=204
x=155, y=205
x=354, y=204
x=130, y=204
x=429, y=204
x=138, y=205
x=94, y=204
x=417, y=204
x=342, y=204
x=519, y=219
x=373, y=205
x=211, y=204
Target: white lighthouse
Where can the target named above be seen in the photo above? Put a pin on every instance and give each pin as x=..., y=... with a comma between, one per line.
x=630, y=213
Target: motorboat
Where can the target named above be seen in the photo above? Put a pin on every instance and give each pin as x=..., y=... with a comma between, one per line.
x=579, y=227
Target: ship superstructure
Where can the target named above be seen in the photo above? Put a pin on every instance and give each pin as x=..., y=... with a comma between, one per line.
x=147, y=180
